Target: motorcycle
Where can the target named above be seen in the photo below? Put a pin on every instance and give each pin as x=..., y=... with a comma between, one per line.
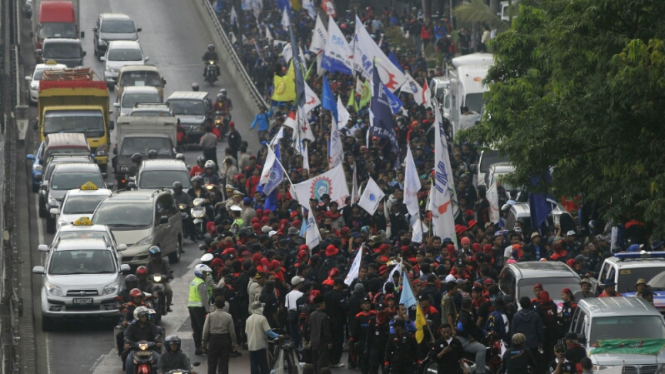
x=211, y=72
x=144, y=359
x=159, y=284
x=184, y=216
x=492, y=362
x=182, y=371
x=198, y=213
x=220, y=124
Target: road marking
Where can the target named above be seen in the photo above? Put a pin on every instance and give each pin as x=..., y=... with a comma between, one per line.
x=40, y=236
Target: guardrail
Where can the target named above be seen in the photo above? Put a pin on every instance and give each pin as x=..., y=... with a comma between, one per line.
x=229, y=56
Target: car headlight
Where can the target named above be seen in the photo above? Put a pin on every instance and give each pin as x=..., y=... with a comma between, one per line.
x=34, y=85
x=600, y=367
x=110, y=289
x=37, y=168
x=53, y=290
x=101, y=150
x=145, y=241
x=52, y=201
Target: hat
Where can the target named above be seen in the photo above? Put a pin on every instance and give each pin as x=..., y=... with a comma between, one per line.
x=246, y=200
x=423, y=297
x=609, y=282
x=571, y=233
x=567, y=291
x=238, y=193
x=466, y=240
x=294, y=213
x=489, y=281
x=331, y=251
x=488, y=224
x=447, y=240
x=359, y=288
x=230, y=187
x=257, y=305
x=472, y=223
x=450, y=278
x=579, y=258
x=537, y=286
x=641, y=281
x=297, y=280
x=266, y=229
x=271, y=233
x=293, y=231
x=383, y=269
x=585, y=280
x=236, y=208
x=366, y=299
x=534, y=234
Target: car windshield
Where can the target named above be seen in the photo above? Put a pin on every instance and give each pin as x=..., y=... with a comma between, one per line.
x=626, y=327
x=628, y=277
x=150, y=113
x=67, y=151
x=489, y=158
x=121, y=54
x=131, y=145
x=474, y=102
x=82, y=204
x=553, y=286
x=81, y=262
x=54, y=50
x=57, y=30
x=118, y=27
x=123, y=215
x=188, y=107
x=131, y=99
x=88, y=122
x=140, y=78
x=163, y=179
x=39, y=73
x=69, y=181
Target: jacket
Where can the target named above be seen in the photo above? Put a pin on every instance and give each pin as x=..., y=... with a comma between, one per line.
x=262, y=121
x=319, y=329
x=173, y=361
x=400, y=351
x=517, y=360
x=529, y=323
x=496, y=325
x=148, y=332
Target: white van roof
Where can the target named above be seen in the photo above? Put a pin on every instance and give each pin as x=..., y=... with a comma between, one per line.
x=474, y=59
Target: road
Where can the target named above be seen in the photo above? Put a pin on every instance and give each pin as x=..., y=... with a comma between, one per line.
x=175, y=39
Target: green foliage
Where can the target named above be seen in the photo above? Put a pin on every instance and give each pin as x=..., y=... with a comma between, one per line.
x=579, y=85
x=477, y=11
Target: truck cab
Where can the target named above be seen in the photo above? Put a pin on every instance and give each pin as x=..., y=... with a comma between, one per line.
x=467, y=89
x=57, y=19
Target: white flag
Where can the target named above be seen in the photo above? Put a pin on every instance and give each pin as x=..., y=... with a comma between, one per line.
x=285, y=19
x=338, y=54
x=305, y=129
x=311, y=100
x=412, y=87
x=318, y=44
x=269, y=34
x=412, y=184
x=291, y=120
x=397, y=269
x=443, y=199
x=354, y=188
x=355, y=267
x=493, y=198
x=342, y=114
x=278, y=136
x=371, y=197
x=305, y=155
x=367, y=53
x=234, y=16
x=257, y=6
x=417, y=229
x=427, y=96
x=332, y=182
x=313, y=236
x=308, y=5
x=335, y=150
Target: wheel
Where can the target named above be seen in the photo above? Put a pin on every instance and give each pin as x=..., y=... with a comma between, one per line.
x=35, y=188
x=103, y=167
x=47, y=323
x=174, y=257
x=50, y=224
x=42, y=211
x=291, y=367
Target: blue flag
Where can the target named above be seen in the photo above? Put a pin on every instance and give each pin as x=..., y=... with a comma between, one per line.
x=407, y=298
x=281, y=4
x=383, y=124
x=303, y=228
x=395, y=102
x=540, y=205
x=328, y=100
x=270, y=188
x=392, y=58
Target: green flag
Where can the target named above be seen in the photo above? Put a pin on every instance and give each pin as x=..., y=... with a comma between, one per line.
x=629, y=346
x=310, y=69
x=352, y=100
x=366, y=95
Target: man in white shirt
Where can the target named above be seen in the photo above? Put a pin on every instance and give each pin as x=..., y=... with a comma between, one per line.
x=292, y=309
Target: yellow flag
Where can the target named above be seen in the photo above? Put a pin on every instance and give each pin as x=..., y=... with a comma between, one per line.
x=295, y=4
x=285, y=87
x=352, y=100
x=420, y=324
x=366, y=95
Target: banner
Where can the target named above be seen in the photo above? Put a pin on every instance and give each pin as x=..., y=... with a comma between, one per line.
x=331, y=182
x=443, y=199
x=367, y=56
x=338, y=55
x=412, y=185
x=273, y=174
x=290, y=120
x=381, y=116
x=371, y=197
x=629, y=347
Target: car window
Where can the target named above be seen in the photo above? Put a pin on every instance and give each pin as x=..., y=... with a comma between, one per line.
x=131, y=99
x=61, y=50
x=579, y=323
x=552, y=285
x=140, y=78
x=82, y=204
x=81, y=262
x=626, y=327
x=165, y=205
x=118, y=27
x=125, y=54
x=69, y=181
x=155, y=179
x=188, y=107
x=119, y=215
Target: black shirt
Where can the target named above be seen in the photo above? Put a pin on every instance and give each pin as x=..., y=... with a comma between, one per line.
x=148, y=332
x=567, y=368
x=449, y=362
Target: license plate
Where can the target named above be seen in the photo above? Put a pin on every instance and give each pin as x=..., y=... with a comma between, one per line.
x=81, y=301
x=143, y=353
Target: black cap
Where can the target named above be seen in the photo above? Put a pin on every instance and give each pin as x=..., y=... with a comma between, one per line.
x=423, y=297
x=366, y=299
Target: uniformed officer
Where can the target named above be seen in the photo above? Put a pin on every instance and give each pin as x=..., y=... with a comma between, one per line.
x=400, y=350
x=199, y=303
x=359, y=333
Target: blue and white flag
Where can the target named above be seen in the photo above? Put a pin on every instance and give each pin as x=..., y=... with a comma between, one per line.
x=382, y=116
x=443, y=199
x=371, y=197
x=407, y=298
x=368, y=56
x=313, y=236
x=392, y=58
x=395, y=103
x=328, y=98
x=273, y=174
x=338, y=55
x=303, y=227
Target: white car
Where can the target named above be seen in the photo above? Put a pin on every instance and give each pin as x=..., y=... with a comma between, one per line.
x=33, y=80
x=119, y=54
x=133, y=95
x=81, y=203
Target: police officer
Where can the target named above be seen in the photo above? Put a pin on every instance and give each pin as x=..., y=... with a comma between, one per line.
x=359, y=333
x=199, y=303
x=400, y=350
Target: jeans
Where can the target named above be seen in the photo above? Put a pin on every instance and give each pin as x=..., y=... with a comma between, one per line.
x=129, y=363
x=294, y=331
x=480, y=351
x=258, y=362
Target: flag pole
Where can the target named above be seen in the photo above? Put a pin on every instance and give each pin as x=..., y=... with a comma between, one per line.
x=431, y=335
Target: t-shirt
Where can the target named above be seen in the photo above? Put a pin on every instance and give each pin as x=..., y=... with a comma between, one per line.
x=448, y=308
x=292, y=299
x=567, y=368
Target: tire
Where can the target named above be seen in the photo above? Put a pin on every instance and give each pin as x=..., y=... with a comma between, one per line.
x=103, y=167
x=174, y=257
x=50, y=224
x=47, y=324
x=42, y=211
x=292, y=367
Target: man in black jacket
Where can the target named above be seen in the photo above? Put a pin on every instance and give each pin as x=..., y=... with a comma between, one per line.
x=529, y=323
x=336, y=307
x=321, y=339
x=448, y=351
x=400, y=350
x=141, y=329
x=469, y=334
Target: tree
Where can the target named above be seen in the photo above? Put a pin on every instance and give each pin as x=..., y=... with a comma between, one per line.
x=477, y=11
x=579, y=87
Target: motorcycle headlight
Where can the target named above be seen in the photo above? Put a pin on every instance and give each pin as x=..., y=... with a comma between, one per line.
x=124, y=168
x=143, y=346
x=110, y=289
x=182, y=206
x=53, y=290
x=157, y=278
x=145, y=241
x=53, y=202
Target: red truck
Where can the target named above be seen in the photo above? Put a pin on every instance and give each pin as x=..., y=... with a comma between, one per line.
x=56, y=19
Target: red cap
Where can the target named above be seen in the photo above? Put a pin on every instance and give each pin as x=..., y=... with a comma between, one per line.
x=383, y=269
x=537, y=286
x=567, y=291
x=384, y=247
x=472, y=223
x=489, y=281
x=295, y=223
x=466, y=240
x=404, y=248
x=331, y=250
x=294, y=213
x=384, y=259
x=304, y=247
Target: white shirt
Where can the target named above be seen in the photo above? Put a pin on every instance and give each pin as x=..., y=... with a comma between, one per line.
x=292, y=298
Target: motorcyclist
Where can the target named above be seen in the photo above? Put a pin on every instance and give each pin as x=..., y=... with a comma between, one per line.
x=137, y=159
x=197, y=191
x=211, y=55
x=144, y=284
x=195, y=87
x=184, y=199
x=131, y=282
x=173, y=358
x=209, y=176
x=152, y=154
x=199, y=168
x=159, y=265
x=136, y=299
x=223, y=103
x=141, y=330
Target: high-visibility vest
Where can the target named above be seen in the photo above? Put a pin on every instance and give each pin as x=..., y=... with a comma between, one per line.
x=194, y=296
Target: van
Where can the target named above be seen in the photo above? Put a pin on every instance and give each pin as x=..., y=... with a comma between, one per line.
x=65, y=144
x=57, y=19
x=63, y=51
x=191, y=108
x=520, y=212
x=139, y=75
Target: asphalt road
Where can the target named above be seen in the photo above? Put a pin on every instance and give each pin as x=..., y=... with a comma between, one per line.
x=175, y=39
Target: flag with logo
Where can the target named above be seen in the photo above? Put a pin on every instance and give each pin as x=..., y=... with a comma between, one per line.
x=355, y=267
x=412, y=184
x=328, y=98
x=382, y=116
x=332, y=182
x=395, y=102
x=338, y=55
x=412, y=87
x=308, y=5
x=371, y=197
x=313, y=236
x=318, y=44
x=367, y=56
x=443, y=199
x=273, y=174
x=285, y=87
x=366, y=94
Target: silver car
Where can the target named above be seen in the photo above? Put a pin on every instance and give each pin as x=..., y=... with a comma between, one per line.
x=81, y=278
x=119, y=54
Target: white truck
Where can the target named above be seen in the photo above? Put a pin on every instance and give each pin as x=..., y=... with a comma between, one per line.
x=141, y=135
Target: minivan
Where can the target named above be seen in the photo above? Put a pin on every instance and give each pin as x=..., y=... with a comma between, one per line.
x=139, y=75
x=63, y=51
x=191, y=108
x=520, y=212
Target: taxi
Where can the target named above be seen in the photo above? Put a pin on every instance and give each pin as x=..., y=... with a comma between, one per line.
x=81, y=203
x=83, y=228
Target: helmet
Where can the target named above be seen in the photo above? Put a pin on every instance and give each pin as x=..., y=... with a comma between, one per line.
x=211, y=47
x=142, y=270
x=220, y=96
x=208, y=257
x=200, y=159
x=177, y=186
x=140, y=311
x=155, y=250
x=131, y=278
x=135, y=293
x=137, y=157
x=172, y=339
x=200, y=269
x=152, y=154
x=180, y=157
x=197, y=179
x=195, y=86
x=222, y=92
x=210, y=164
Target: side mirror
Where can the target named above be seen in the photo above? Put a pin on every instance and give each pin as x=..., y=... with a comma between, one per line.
x=38, y=178
x=122, y=247
x=473, y=169
x=196, y=364
x=28, y=78
x=116, y=105
x=102, y=58
x=163, y=220
x=95, y=29
x=109, y=186
x=42, y=248
x=147, y=58
x=30, y=157
x=54, y=211
x=38, y=270
x=83, y=53
x=104, y=175
x=82, y=34
x=35, y=125
x=111, y=125
x=139, y=29
x=163, y=81
x=125, y=268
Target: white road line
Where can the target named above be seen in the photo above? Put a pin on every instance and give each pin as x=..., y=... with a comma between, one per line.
x=40, y=235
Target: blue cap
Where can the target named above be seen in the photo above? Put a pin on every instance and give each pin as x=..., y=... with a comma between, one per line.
x=355, y=234
x=447, y=240
x=247, y=200
x=633, y=248
x=609, y=282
